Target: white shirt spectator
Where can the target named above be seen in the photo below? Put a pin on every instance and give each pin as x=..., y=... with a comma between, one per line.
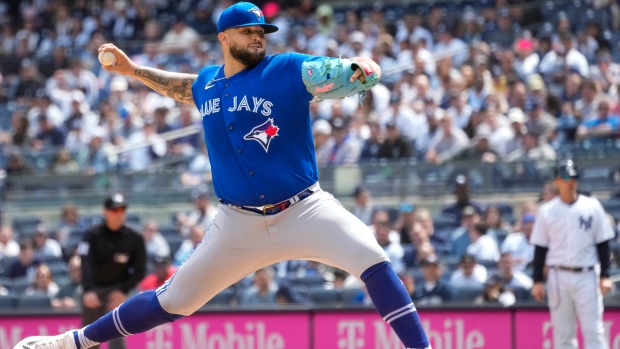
x=520, y=248
x=528, y=66
x=460, y=119
x=574, y=59
x=140, y=158
x=477, y=278
x=485, y=248
x=456, y=49
x=157, y=246
x=51, y=248
x=446, y=146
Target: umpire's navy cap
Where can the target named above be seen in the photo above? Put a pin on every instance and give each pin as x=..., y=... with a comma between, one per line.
x=243, y=14
x=567, y=169
x=115, y=201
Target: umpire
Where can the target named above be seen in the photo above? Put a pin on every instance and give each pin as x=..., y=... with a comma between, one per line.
x=571, y=235
x=113, y=263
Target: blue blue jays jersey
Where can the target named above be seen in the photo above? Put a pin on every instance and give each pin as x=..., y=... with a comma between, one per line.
x=258, y=130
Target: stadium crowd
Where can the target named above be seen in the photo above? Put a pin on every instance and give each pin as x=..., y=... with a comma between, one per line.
x=487, y=81
x=470, y=251
x=491, y=82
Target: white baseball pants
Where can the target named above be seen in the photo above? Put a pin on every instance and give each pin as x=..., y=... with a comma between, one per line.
x=575, y=296
x=239, y=242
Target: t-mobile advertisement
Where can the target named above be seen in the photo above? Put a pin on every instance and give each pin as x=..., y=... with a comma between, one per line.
x=446, y=330
x=325, y=330
x=533, y=329
x=200, y=331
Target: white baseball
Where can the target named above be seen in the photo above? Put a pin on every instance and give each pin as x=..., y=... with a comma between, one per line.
x=107, y=58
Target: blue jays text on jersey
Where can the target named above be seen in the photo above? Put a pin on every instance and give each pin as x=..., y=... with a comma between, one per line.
x=258, y=130
x=253, y=104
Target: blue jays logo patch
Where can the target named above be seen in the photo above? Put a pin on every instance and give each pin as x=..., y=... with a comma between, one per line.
x=256, y=11
x=263, y=133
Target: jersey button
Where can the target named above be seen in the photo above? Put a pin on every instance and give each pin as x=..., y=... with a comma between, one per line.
x=226, y=94
x=239, y=150
x=262, y=196
x=230, y=127
x=226, y=85
x=251, y=173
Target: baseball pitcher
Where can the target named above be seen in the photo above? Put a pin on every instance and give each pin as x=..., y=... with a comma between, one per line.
x=255, y=114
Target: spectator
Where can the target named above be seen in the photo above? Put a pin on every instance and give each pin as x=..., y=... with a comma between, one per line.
x=469, y=273
x=156, y=245
x=492, y=217
x=418, y=238
x=162, y=271
x=449, y=46
x=43, y=282
x=447, y=142
x=527, y=60
x=434, y=290
x=459, y=110
x=482, y=246
x=322, y=131
x=604, y=126
x=606, y=73
x=437, y=238
x=25, y=264
x=532, y=160
x=196, y=235
x=479, y=150
x=462, y=192
x=69, y=295
x=363, y=208
x=504, y=32
x=511, y=277
x=388, y=239
x=564, y=57
x=49, y=135
x=176, y=41
x=343, y=148
x=21, y=132
x=404, y=222
x=495, y=292
x=44, y=247
x=518, y=244
x=77, y=138
x=517, y=122
x=287, y=295
x=586, y=107
x=263, y=291
x=395, y=146
x=539, y=121
x=8, y=246
x=94, y=159
x=161, y=125
x=141, y=157
x=64, y=164
x=202, y=215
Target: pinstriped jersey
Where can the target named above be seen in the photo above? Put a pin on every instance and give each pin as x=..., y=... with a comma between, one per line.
x=571, y=232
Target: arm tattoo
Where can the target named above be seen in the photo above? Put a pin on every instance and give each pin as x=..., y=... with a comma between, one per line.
x=177, y=86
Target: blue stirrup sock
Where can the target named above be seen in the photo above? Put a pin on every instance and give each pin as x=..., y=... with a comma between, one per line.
x=394, y=304
x=138, y=314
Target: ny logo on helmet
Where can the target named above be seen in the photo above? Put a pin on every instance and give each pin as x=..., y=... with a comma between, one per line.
x=256, y=11
x=263, y=133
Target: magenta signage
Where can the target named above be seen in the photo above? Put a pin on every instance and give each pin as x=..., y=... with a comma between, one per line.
x=200, y=331
x=446, y=330
x=533, y=329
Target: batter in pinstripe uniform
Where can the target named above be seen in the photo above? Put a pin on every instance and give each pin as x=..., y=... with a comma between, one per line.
x=571, y=235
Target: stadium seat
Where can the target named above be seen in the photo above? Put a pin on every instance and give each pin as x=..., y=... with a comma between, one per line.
x=168, y=229
x=174, y=241
x=444, y=221
x=310, y=281
x=5, y=265
x=20, y=284
x=467, y=293
x=58, y=269
x=7, y=301
x=133, y=218
x=222, y=298
x=25, y=226
x=91, y=219
x=33, y=301
x=521, y=294
x=348, y=296
x=488, y=263
x=322, y=295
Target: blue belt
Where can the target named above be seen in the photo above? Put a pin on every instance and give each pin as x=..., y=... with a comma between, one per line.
x=269, y=210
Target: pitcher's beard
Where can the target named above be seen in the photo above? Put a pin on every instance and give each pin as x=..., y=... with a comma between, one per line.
x=246, y=56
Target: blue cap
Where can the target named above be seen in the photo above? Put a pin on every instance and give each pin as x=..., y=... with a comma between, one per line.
x=243, y=14
x=528, y=218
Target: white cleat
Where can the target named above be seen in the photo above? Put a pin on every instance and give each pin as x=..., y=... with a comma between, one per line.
x=61, y=341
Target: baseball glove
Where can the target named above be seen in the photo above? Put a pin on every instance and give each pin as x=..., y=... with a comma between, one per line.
x=328, y=78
